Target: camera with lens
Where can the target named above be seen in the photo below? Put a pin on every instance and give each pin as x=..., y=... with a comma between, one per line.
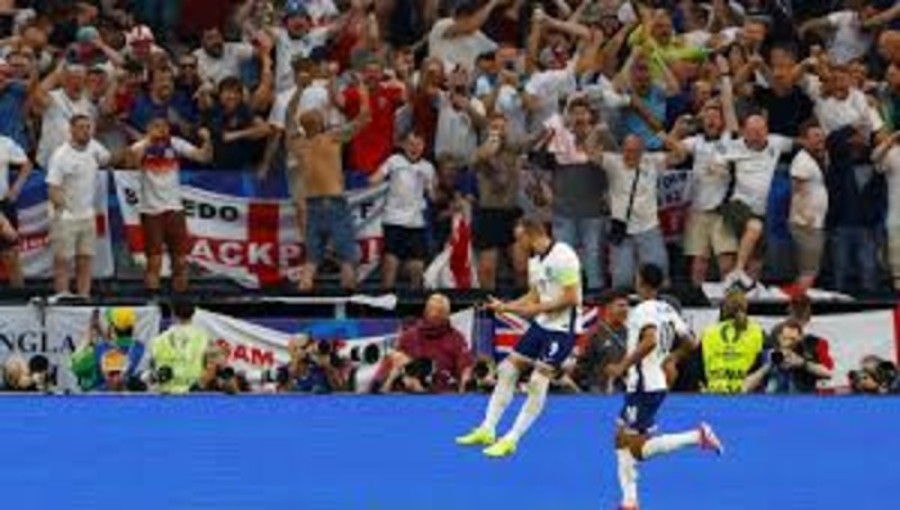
x=776, y=358
x=482, y=376
x=162, y=375
x=225, y=373
x=421, y=369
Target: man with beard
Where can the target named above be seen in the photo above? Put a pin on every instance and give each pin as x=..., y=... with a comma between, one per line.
x=218, y=60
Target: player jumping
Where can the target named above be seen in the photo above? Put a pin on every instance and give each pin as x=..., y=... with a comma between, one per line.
x=552, y=304
x=654, y=326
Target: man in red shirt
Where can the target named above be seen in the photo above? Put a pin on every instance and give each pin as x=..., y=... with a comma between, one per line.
x=434, y=343
x=375, y=142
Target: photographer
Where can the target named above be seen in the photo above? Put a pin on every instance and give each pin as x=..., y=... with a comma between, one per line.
x=431, y=356
x=605, y=346
x=793, y=366
x=874, y=377
x=177, y=356
x=314, y=367
x=217, y=376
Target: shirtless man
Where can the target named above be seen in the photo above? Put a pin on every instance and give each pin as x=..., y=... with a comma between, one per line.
x=319, y=183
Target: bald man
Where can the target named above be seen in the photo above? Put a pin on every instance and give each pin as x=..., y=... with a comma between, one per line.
x=755, y=157
x=432, y=340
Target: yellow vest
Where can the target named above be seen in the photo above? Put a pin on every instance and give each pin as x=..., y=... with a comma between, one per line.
x=728, y=357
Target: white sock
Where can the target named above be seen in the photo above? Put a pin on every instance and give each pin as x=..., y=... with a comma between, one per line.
x=507, y=377
x=628, y=476
x=669, y=443
x=538, y=385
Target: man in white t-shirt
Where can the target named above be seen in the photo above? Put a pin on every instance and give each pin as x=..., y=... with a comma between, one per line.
x=217, y=60
x=58, y=106
x=809, y=204
x=296, y=38
x=705, y=231
x=635, y=236
x=458, y=41
x=755, y=157
x=460, y=118
x=72, y=177
x=11, y=154
x=162, y=213
x=850, y=38
x=411, y=181
x=553, y=305
x=887, y=160
x=843, y=105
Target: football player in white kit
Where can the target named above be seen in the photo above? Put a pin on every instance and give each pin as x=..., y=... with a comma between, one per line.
x=553, y=307
x=654, y=328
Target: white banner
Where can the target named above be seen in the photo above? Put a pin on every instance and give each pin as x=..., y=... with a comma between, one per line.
x=255, y=349
x=63, y=330
x=34, y=231
x=850, y=337
x=253, y=242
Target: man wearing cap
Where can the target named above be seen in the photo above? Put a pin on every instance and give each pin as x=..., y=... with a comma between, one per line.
x=103, y=350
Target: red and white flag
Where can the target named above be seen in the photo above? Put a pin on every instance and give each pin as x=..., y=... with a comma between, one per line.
x=251, y=241
x=455, y=267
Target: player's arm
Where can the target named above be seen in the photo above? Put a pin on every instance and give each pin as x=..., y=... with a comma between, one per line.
x=517, y=307
x=645, y=346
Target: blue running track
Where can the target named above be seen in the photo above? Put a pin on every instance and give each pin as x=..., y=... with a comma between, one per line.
x=393, y=453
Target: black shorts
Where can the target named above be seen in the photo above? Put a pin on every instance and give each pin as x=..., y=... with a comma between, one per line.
x=404, y=243
x=638, y=415
x=494, y=228
x=8, y=209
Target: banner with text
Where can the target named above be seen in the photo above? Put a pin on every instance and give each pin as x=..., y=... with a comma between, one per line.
x=251, y=241
x=55, y=332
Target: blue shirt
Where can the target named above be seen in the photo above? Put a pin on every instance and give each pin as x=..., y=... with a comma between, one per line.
x=12, y=114
x=634, y=124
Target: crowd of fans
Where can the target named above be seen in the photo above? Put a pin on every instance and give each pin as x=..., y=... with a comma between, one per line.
x=497, y=107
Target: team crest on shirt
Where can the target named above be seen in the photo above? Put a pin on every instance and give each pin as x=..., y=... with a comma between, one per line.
x=382, y=103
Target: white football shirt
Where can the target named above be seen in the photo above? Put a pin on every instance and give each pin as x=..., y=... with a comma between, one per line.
x=549, y=274
x=648, y=375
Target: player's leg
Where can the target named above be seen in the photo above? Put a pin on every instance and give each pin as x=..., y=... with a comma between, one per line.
x=555, y=348
x=627, y=470
x=507, y=377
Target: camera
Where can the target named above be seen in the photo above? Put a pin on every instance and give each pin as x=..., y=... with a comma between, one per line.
x=225, y=373
x=43, y=374
x=481, y=369
x=162, y=375
x=368, y=355
x=421, y=369
x=776, y=358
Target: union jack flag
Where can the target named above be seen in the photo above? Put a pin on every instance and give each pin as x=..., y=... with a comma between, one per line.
x=508, y=328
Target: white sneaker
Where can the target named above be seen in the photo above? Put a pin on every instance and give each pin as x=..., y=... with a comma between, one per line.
x=709, y=440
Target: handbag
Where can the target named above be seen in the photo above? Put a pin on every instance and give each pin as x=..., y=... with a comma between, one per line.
x=618, y=229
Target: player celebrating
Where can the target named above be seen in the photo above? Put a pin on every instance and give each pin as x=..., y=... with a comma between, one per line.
x=654, y=326
x=552, y=304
